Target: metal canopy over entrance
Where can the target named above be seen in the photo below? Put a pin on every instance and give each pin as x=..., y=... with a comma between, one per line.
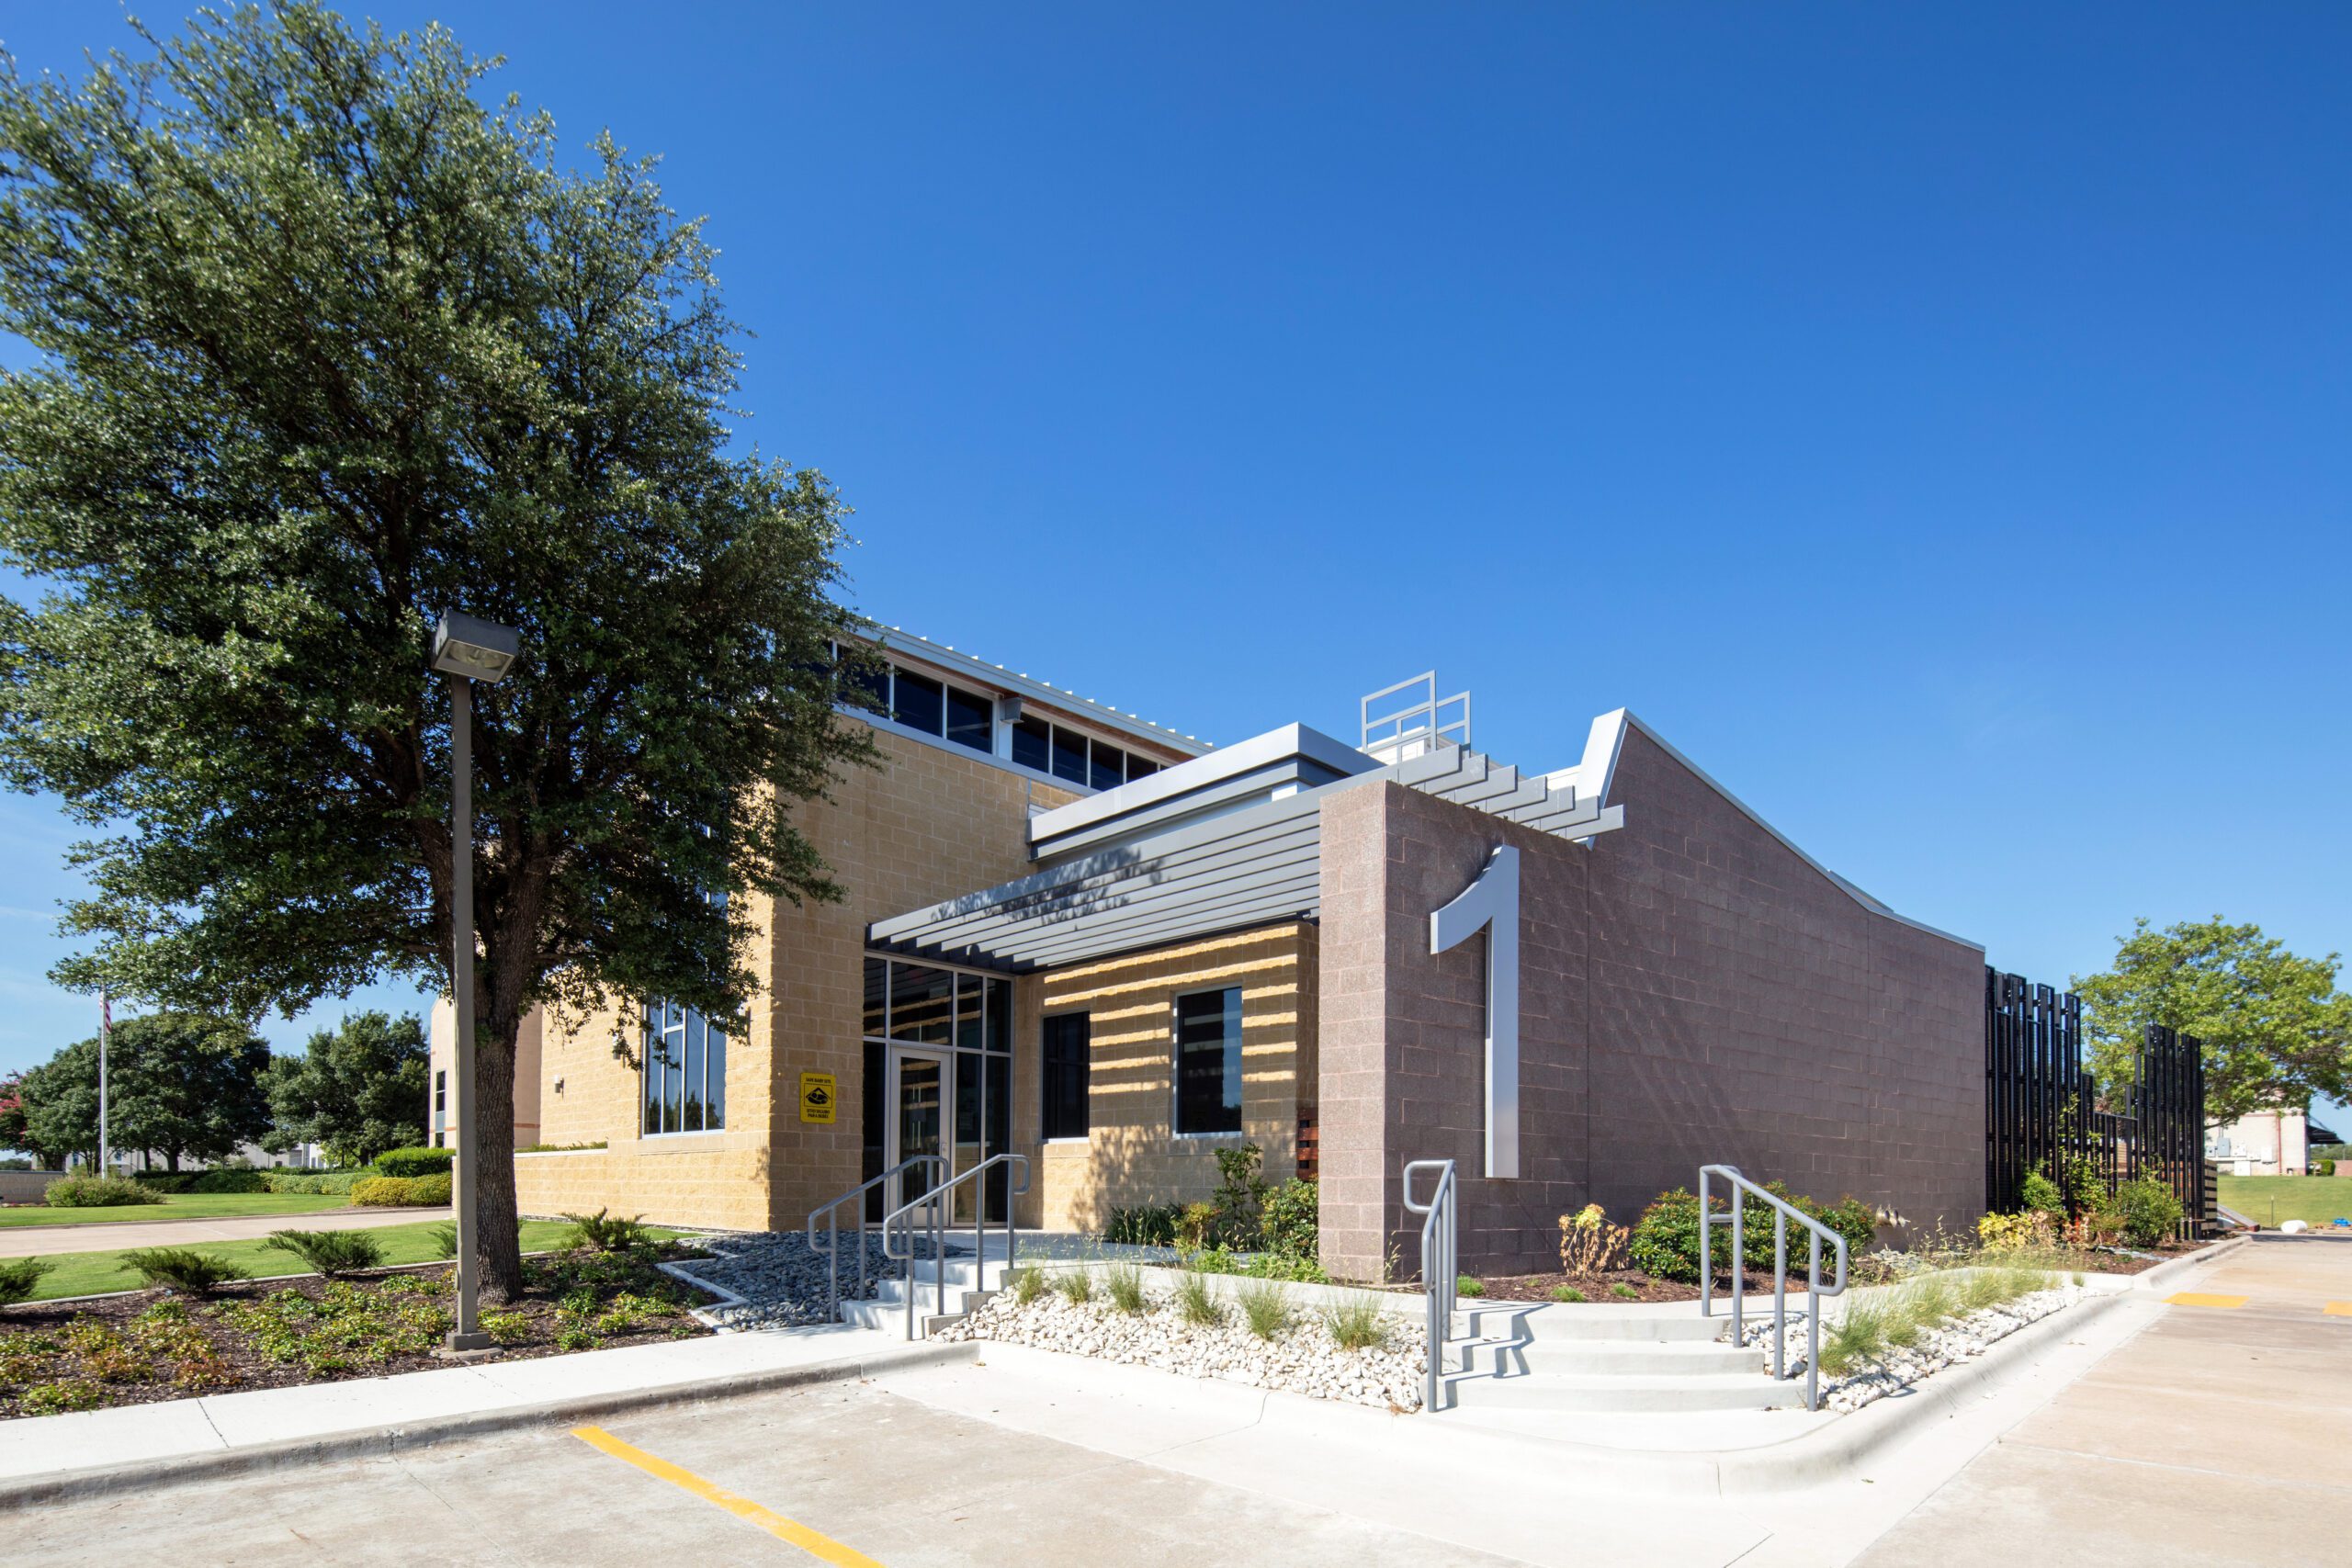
x=1249, y=866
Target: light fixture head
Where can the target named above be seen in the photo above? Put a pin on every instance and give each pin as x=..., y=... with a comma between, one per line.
x=477, y=649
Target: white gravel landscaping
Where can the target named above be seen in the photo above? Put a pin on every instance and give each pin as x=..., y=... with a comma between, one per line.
x=1962, y=1339
x=1301, y=1359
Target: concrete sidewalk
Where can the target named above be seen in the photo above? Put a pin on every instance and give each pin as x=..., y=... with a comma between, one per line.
x=2216, y=1436
x=44, y=1241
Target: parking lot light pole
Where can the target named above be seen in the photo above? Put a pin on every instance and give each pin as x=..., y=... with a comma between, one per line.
x=466, y=650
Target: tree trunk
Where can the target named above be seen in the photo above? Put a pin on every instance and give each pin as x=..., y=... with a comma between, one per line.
x=498, y=1251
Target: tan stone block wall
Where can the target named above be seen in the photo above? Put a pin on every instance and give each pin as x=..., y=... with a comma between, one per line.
x=1131, y=1153
x=929, y=824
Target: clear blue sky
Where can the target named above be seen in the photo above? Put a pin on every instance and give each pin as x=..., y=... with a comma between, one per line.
x=1933, y=420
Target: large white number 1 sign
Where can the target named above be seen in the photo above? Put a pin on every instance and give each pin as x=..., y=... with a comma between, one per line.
x=1492, y=902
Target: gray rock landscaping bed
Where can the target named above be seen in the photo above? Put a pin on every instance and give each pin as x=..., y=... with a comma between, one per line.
x=1896, y=1366
x=782, y=1281
x=1300, y=1358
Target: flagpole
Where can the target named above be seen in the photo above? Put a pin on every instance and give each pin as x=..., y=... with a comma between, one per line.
x=105, y=1030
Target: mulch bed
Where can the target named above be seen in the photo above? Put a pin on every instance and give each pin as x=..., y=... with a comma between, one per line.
x=1598, y=1291
x=203, y=1352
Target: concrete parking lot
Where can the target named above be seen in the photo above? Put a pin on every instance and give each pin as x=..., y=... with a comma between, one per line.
x=2162, y=1434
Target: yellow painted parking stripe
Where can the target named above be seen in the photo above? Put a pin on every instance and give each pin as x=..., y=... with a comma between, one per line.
x=824, y=1548
x=2339, y=1309
x=2196, y=1299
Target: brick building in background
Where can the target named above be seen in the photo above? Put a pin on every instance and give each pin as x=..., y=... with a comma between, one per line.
x=1081, y=938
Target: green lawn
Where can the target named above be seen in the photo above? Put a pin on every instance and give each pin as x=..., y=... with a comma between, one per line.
x=180, y=1206
x=2267, y=1199
x=92, y=1273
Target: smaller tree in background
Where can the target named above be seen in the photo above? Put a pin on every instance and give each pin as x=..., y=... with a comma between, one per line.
x=2275, y=1028
x=15, y=1134
x=356, y=1090
x=186, y=1086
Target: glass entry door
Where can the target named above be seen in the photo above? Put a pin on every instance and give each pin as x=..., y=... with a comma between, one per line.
x=921, y=1089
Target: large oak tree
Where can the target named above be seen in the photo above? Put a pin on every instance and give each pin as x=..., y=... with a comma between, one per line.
x=326, y=345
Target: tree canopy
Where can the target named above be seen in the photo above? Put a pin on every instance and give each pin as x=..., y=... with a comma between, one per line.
x=327, y=345
x=181, y=1085
x=2275, y=1028
x=357, y=1089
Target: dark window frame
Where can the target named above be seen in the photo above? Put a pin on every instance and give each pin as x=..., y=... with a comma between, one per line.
x=1236, y=1011
x=1065, y=1109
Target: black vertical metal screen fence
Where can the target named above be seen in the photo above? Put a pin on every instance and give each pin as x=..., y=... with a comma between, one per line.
x=2042, y=1109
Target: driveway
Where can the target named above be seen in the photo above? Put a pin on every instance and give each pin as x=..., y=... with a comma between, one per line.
x=40, y=1241
x=2217, y=1436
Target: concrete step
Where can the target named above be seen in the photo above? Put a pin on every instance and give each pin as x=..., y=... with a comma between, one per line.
x=1672, y=1323
x=1556, y=1391
x=1607, y=1357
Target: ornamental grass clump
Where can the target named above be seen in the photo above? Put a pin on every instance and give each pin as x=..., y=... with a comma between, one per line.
x=1196, y=1304
x=1357, y=1323
x=1077, y=1286
x=1266, y=1307
x=1027, y=1285
x=1855, y=1337
x=332, y=1253
x=1567, y=1293
x=1123, y=1282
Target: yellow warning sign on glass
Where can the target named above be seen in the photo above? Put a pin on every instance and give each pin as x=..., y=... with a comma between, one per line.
x=817, y=1097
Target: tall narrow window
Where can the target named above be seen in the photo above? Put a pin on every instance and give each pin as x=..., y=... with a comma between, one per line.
x=1109, y=769
x=1033, y=743
x=917, y=701
x=1068, y=1036
x=685, y=1074
x=1070, y=755
x=1208, y=1061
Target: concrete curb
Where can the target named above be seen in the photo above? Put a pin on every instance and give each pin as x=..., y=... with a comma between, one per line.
x=379, y=1442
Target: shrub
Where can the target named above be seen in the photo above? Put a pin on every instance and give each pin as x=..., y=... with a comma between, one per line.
x=1239, y=1202
x=432, y=1191
x=1469, y=1286
x=2145, y=1209
x=1145, y=1224
x=384, y=1192
x=1196, y=1304
x=1123, y=1282
x=1567, y=1294
x=99, y=1192
x=20, y=1277
x=1625, y=1292
x=1589, y=1244
x=181, y=1268
x=1265, y=1306
x=506, y=1327
x=2042, y=1194
x=603, y=1232
x=1292, y=1224
x=168, y=1181
x=332, y=1253
x=415, y=1162
x=1195, y=1223
x=328, y=1183
x=2012, y=1232
x=53, y=1398
x=1357, y=1323
x=1077, y=1286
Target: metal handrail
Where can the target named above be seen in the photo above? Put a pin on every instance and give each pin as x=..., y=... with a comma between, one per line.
x=832, y=1213
x=1441, y=1275
x=936, y=1201
x=1782, y=1212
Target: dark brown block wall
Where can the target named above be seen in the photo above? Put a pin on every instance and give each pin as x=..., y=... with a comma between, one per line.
x=1691, y=991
